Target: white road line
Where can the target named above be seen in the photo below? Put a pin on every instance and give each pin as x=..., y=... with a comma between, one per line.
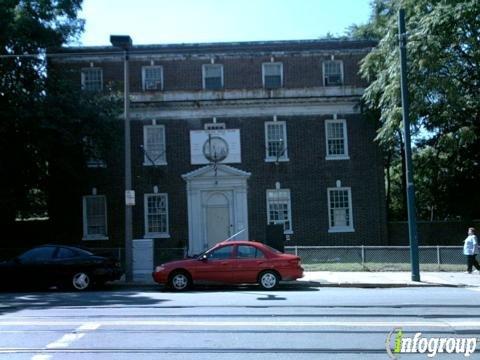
x=438, y=323
x=66, y=340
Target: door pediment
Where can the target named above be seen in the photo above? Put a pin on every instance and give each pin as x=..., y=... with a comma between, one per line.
x=222, y=171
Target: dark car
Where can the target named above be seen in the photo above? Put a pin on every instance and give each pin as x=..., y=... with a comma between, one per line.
x=59, y=265
x=232, y=262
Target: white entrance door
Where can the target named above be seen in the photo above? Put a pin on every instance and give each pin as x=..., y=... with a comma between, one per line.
x=218, y=224
x=142, y=260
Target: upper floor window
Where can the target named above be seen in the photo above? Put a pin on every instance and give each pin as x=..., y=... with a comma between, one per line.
x=93, y=154
x=279, y=208
x=212, y=76
x=92, y=79
x=340, y=210
x=154, y=145
x=336, y=139
x=152, y=78
x=94, y=217
x=156, y=215
x=332, y=72
x=276, y=141
x=272, y=75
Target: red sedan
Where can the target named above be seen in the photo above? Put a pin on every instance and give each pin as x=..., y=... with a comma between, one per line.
x=231, y=262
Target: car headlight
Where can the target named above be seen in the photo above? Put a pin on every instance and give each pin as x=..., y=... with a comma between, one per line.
x=159, y=268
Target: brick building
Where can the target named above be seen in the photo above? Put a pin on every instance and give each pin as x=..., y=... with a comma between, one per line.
x=235, y=136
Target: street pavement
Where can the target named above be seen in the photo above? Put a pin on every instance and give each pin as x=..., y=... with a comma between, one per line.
x=303, y=319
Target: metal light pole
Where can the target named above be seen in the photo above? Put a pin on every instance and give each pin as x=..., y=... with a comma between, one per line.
x=412, y=222
x=124, y=42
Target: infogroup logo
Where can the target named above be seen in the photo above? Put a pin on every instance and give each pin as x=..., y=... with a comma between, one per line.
x=427, y=345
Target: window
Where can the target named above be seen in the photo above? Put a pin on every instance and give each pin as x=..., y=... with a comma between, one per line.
x=93, y=154
x=222, y=253
x=276, y=141
x=340, y=210
x=37, y=254
x=336, y=139
x=272, y=75
x=215, y=126
x=333, y=73
x=94, y=217
x=156, y=215
x=249, y=252
x=92, y=79
x=212, y=76
x=279, y=208
x=65, y=253
x=152, y=78
x=154, y=145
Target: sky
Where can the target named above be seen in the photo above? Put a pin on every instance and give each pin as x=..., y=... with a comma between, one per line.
x=193, y=21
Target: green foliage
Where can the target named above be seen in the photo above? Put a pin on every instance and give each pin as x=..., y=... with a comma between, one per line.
x=443, y=54
x=34, y=120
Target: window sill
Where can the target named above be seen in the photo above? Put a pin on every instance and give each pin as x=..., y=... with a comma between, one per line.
x=341, y=157
x=94, y=237
x=277, y=160
x=288, y=232
x=156, y=236
x=156, y=164
x=341, y=230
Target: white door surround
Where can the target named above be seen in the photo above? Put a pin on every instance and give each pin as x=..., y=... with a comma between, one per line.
x=217, y=205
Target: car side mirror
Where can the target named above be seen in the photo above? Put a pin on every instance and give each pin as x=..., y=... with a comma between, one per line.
x=203, y=258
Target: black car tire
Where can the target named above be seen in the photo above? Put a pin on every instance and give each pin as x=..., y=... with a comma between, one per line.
x=268, y=279
x=179, y=281
x=81, y=281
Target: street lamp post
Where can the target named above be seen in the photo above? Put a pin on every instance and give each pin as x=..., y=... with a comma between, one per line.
x=124, y=42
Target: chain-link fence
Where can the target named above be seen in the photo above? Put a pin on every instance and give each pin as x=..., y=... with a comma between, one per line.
x=378, y=258
x=328, y=258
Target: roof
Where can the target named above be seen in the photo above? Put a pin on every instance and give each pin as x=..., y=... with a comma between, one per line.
x=264, y=46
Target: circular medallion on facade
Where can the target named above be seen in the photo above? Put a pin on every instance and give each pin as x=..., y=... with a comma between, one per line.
x=215, y=149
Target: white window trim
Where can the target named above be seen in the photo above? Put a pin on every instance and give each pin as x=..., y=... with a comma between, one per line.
x=203, y=75
x=146, y=161
x=272, y=63
x=341, y=72
x=157, y=235
x=344, y=156
x=285, y=155
x=82, y=72
x=289, y=206
x=86, y=236
x=143, y=77
x=338, y=229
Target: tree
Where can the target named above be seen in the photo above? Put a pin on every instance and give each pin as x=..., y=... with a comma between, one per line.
x=443, y=54
x=42, y=117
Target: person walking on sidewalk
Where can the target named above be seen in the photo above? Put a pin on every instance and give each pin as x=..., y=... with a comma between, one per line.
x=470, y=249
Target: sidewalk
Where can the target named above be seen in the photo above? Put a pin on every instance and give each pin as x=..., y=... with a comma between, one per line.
x=369, y=279
x=390, y=279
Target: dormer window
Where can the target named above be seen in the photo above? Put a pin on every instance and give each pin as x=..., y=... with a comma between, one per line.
x=212, y=76
x=333, y=73
x=152, y=78
x=272, y=75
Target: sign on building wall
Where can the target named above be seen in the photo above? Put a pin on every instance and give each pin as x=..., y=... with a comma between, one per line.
x=222, y=146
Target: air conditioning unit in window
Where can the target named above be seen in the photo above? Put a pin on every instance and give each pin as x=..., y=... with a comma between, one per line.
x=153, y=85
x=333, y=80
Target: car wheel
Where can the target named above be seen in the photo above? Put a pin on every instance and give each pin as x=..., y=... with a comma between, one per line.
x=81, y=281
x=179, y=281
x=268, y=280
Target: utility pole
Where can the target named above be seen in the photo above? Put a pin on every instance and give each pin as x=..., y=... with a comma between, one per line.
x=124, y=42
x=412, y=222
